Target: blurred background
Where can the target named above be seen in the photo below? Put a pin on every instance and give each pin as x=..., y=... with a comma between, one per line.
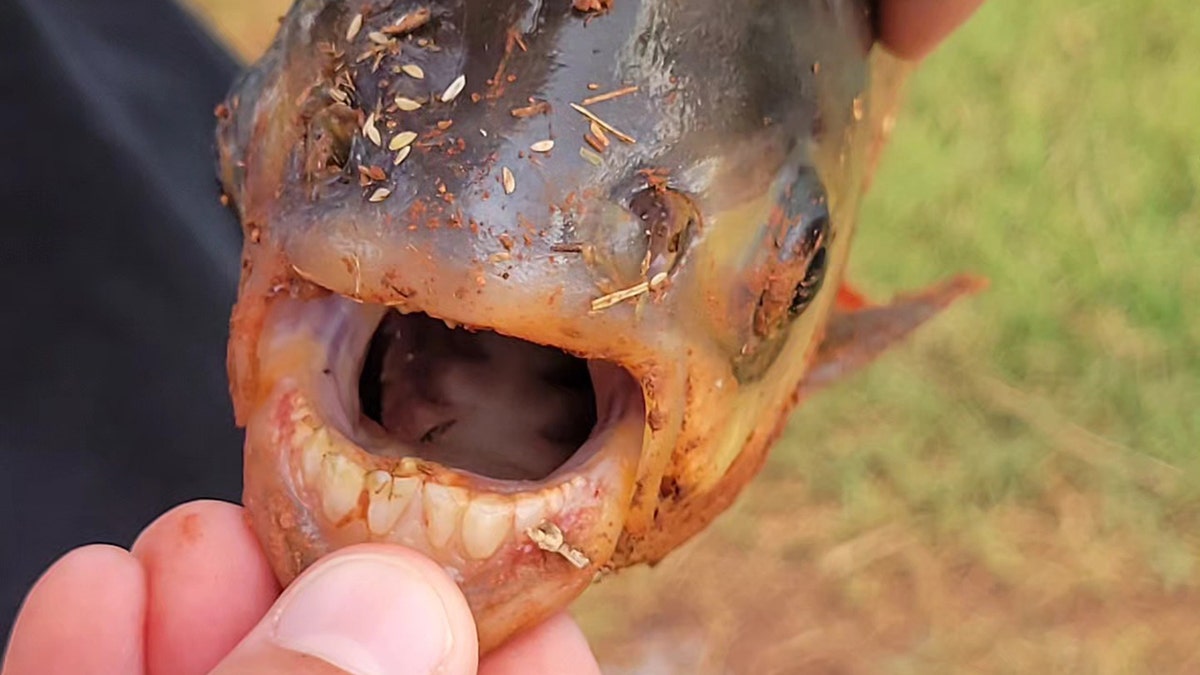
x=1018, y=489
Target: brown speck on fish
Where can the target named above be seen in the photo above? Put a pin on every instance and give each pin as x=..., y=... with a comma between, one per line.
x=605, y=125
x=534, y=108
x=409, y=22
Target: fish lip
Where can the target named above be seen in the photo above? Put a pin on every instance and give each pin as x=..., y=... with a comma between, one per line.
x=306, y=341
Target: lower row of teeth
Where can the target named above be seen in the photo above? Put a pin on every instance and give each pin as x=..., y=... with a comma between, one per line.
x=402, y=508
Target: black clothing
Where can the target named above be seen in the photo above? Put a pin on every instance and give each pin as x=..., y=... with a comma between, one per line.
x=118, y=269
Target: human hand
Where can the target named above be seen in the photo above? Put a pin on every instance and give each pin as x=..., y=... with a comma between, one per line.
x=196, y=596
x=911, y=29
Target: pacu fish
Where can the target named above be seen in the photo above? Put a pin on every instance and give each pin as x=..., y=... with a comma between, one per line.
x=532, y=285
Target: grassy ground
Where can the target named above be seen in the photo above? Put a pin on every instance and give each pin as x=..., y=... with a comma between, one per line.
x=1018, y=490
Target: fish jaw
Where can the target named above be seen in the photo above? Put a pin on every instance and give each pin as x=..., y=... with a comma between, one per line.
x=311, y=487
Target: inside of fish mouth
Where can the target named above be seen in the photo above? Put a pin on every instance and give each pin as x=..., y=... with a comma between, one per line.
x=482, y=402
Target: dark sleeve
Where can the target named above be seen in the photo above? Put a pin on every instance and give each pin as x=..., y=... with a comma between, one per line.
x=118, y=268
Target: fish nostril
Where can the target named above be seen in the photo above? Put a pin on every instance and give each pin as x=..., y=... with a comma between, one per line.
x=328, y=139
x=670, y=218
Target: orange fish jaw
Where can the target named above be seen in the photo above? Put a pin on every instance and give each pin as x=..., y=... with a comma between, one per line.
x=532, y=364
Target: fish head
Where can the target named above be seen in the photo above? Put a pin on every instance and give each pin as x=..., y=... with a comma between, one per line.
x=529, y=289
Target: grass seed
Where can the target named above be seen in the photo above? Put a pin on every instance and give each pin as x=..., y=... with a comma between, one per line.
x=356, y=24
x=402, y=140
x=454, y=89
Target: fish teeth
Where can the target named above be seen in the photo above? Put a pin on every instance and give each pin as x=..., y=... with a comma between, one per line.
x=529, y=512
x=486, y=523
x=555, y=500
x=341, y=483
x=481, y=523
x=377, y=481
x=388, y=500
x=444, y=506
x=317, y=447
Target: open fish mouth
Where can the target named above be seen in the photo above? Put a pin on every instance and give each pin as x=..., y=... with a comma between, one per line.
x=493, y=455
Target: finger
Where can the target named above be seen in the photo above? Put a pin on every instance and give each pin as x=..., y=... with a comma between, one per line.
x=208, y=584
x=557, y=646
x=367, y=610
x=912, y=28
x=83, y=616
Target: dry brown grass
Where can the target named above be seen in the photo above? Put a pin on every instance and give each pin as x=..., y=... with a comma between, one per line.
x=781, y=589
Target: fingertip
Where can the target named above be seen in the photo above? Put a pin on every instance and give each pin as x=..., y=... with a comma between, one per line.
x=911, y=29
x=366, y=610
x=556, y=646
x=191, y=523
x=208, y=585
x=84, y=615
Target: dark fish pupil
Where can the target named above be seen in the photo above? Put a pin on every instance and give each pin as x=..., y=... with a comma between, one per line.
x=807, y=289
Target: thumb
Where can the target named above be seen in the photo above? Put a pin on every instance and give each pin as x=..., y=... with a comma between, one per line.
x=367, y=610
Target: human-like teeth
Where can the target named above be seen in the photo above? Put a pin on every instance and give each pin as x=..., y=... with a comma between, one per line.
x=399, y=508
x=554, y=499
x=487, y=522
x=378, y=481
x=317, y=446
x=443, y=507
x=341, y=483
x=529, y=512
x=388, y=497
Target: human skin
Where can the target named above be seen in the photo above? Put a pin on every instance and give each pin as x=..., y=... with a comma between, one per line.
x=195, y=595
x=911, y=29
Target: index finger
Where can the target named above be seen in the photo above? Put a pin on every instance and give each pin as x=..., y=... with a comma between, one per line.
x=911, y=29
x=207, y=585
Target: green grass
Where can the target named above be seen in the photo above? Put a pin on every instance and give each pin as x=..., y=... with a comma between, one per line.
x=1053, y=147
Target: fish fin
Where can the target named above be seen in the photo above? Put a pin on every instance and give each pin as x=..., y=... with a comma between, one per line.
x=855, y=338
x=850, y=298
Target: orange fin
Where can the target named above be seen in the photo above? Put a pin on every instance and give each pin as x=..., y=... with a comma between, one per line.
x=850, y=298
x=855, y=338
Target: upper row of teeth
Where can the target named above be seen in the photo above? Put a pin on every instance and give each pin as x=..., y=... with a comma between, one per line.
x=395, y=503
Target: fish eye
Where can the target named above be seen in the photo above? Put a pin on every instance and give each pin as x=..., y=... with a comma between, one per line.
x=788, y=276
x=814, y=277
x=798, y=273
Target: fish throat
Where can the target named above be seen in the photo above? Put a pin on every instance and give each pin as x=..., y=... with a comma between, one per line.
x=476, y=400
